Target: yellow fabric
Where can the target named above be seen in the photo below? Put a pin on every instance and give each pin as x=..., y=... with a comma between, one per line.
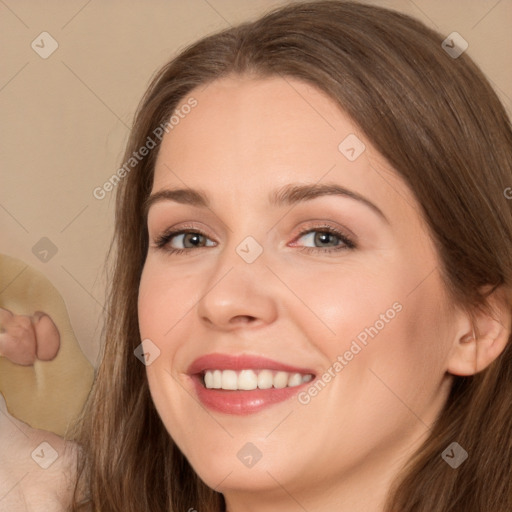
x=50, y=394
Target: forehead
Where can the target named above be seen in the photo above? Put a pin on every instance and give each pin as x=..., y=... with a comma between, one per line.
x=269, y=121
x=248, y=135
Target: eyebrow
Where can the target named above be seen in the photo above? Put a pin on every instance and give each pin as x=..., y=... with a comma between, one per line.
x=288, y=195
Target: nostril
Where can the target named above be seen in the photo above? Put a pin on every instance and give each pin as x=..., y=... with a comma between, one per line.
x=243, y=319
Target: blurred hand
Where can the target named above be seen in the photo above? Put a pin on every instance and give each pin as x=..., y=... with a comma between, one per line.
x=24, y=484
x=23, y=338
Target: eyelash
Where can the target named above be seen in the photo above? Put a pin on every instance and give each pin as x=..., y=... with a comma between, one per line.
x=346, y=243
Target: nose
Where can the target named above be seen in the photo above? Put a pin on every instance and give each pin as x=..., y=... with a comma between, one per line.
x=238, y=294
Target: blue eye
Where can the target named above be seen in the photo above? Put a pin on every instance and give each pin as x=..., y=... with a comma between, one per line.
x=187, y=236
x=328, y=239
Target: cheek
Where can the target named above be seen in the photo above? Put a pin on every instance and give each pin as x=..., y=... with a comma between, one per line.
x=345, y=302
x=163, y=299
x=162, y=314
x=384, y=333
x=404, y=366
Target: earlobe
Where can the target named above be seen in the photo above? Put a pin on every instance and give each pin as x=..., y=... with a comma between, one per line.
x=485, y=338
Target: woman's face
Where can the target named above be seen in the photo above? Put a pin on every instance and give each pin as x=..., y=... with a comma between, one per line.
x=341, y=286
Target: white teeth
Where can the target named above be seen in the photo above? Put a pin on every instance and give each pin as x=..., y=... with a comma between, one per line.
x=252, y=379
x=280, y=380
x=229, y=379
x=217, y=379
x=296, y=379
x=208, y=380
x=265, y=379
x=247, y=380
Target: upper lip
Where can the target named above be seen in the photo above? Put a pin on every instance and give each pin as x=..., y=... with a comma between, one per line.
x=240, y=362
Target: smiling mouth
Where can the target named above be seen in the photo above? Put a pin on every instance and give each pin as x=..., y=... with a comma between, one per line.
x=244, y=384
x=250, y=379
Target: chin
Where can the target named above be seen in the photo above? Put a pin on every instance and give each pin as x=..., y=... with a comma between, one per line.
x=239, y=465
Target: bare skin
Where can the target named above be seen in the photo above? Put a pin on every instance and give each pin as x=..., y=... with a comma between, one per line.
x=24, y=485
x=298, y=303
x=24, y=339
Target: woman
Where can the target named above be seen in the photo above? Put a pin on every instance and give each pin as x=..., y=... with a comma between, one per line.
x=310, y=301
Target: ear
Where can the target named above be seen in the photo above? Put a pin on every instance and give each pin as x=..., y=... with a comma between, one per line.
x=482, y=335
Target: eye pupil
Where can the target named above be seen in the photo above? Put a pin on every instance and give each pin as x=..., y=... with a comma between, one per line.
x=194, y=238
x=323, y=238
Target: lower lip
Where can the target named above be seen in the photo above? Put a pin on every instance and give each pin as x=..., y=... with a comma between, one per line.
x=242, y=402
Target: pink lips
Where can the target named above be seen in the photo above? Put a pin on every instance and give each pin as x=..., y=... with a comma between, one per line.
x=241, y=402
x=241, y=362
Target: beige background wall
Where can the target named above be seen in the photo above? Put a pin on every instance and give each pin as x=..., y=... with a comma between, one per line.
x=65, y=118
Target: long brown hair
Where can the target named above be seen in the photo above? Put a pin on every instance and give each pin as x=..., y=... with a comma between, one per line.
x=439, y=124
